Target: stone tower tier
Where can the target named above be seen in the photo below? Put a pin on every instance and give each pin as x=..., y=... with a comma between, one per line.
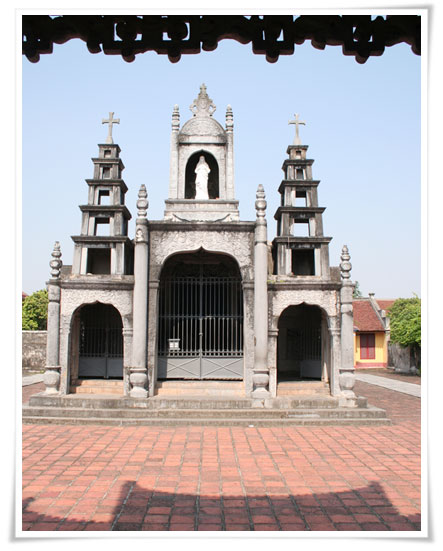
x=300, y=248
x=103, y=246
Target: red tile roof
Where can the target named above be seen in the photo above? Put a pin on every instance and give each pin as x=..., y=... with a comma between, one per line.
x=385, y=304
x=365, y=318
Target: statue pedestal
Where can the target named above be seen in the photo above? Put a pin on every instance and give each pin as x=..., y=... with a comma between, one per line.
x=209, y=210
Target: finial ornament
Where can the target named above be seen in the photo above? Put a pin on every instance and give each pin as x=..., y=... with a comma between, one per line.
x=297, y=123
x=56, y=264
x=203, y=105
x=229, y=119
x=260, y=203
x=345, y=265
x=142, y=202
x=110, y=122
x=175, y=119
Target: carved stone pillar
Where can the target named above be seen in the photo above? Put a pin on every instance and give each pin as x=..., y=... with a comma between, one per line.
x=260, y=378
x=138, y=377
x=347, y=370
x=334, y=333
x=51, y=377
x=272, y=361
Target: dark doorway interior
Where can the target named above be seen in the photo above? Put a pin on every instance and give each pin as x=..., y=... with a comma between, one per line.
x=299, y=345
x=99, y=261
x=303, y=262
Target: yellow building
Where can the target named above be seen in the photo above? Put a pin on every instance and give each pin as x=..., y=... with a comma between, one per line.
x=371, y=332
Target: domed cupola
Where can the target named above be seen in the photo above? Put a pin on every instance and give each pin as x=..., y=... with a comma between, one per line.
x=201, y=186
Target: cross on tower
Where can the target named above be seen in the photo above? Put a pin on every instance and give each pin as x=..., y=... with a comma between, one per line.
x=297, y=123
x=110, y=122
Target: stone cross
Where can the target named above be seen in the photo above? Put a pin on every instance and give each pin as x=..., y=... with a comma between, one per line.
x=297, y=123
x=110, y=122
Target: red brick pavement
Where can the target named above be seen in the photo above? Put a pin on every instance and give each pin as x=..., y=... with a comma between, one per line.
x=233, y=479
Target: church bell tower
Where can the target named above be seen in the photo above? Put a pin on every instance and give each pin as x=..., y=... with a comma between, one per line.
x=201, y=183
x=300, y=248
x=103, y=247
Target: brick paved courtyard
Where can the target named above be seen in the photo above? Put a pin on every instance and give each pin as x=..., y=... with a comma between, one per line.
x=234, y=479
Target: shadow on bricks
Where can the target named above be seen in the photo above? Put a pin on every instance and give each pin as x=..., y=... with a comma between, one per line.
x=132, y=507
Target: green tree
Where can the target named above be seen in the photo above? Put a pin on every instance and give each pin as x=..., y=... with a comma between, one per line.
x=357, y=293
x=35, y=311
x=405, y=317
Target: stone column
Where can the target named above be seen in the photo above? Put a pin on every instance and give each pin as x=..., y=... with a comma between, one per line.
x=154, y=285
x=51, y=378
x=260, y=378
x=138, y=377
x=334, y=333
x=347, y=371
x=272, y=361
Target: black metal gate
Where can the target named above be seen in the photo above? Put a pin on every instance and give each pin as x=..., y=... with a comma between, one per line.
x=101, y=342
x=200, y=327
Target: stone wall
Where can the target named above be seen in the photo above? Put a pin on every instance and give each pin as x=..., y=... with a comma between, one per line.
x=33, y=350
x=401, y=358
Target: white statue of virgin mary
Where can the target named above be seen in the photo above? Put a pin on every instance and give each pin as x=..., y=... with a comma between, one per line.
x=201, y=179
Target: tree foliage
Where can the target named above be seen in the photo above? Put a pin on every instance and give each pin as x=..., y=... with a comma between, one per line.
x=357, y=293
x=405, y=316
x=35, y=311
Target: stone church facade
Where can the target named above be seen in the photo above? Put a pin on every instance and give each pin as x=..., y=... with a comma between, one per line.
x=201, y=296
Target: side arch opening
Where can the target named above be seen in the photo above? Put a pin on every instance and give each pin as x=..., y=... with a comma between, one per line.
x=96, y=343
x=302, y=344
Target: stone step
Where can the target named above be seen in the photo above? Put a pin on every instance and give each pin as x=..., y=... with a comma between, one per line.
x=301, y=389
x=201, y=388
x=89, y=402
x=219, y=422
x=98, y=387
x=197, y=414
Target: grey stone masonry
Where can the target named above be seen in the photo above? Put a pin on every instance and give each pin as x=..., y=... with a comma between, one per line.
x=260, y=378
x=347, y=370
x=51, y=377
x=300, y=246
x=33, y=350
x=138, y=377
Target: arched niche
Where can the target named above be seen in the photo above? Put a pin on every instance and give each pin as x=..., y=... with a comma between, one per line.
x=213, y=176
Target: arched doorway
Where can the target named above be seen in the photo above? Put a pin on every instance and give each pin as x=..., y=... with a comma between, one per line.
x=200, y=318
x=99, y=342
x=302, y=352
x=213, y=176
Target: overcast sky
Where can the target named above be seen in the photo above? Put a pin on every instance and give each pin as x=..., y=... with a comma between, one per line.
x=362, y=129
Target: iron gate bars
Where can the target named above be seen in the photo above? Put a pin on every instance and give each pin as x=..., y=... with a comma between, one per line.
x=100, y=342
x=201, y=316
